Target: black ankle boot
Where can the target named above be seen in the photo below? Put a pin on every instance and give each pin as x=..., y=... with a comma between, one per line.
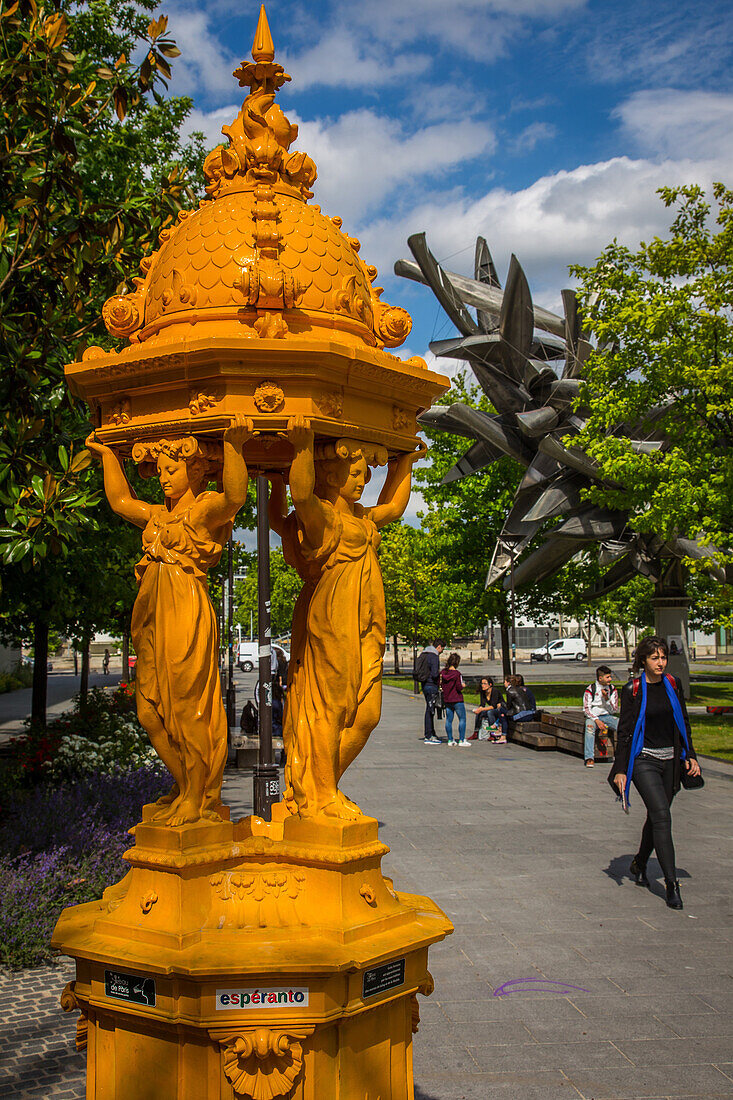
x=638, y=870
x=674, y=901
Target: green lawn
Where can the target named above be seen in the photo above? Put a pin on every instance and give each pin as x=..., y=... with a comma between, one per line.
x=712, y=734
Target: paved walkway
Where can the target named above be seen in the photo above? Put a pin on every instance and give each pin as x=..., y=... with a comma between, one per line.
x=528, y=854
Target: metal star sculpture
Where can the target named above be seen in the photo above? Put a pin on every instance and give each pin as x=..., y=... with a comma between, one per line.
x=529, y=363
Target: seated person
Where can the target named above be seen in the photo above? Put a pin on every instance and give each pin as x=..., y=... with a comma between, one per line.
x=520, y=704
x=487, y=711
x=600, y=707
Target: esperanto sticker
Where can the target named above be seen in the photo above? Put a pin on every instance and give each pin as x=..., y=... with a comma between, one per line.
x=271, y=997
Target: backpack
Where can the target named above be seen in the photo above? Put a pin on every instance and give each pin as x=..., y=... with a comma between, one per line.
x=422, y=668
x=667, y=676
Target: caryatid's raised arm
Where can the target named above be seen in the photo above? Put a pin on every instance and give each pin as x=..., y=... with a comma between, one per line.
x=395, y=493
x=221, y=508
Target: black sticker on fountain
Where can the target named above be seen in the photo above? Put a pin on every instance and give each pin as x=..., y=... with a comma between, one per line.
x=381, y=978
x=129, y=987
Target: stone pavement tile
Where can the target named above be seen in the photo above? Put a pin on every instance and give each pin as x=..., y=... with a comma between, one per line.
x=493, y=1086
x=518, y=1007
x=644, y=1082
x=676, y=1052
x=706, y=1025
x=717, y=1001
x=561, y=1056
x=608, y=1027
x=619, y=1003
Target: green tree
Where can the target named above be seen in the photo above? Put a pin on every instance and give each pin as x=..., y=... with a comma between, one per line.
x=92, y=166
x=662, y=319
x=410, y=579
x=285, y=586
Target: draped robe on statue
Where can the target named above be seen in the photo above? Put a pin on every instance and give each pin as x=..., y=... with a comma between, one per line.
x=176, y=638
x=338, y=640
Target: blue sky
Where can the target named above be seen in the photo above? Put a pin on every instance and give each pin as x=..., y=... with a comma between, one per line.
x=545, y=125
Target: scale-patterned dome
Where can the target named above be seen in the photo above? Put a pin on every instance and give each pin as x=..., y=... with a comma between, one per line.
x=255, y=252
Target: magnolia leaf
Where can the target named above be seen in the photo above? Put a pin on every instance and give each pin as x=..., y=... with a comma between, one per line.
x=81, y=461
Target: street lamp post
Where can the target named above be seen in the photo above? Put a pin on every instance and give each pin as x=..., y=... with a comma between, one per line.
x=266, y=776
x=231, y=689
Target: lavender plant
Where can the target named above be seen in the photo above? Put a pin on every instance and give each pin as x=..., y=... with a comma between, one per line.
x=62, y=845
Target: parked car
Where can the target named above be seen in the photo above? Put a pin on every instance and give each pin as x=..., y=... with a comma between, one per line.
x=562, y=649
x=248, y=655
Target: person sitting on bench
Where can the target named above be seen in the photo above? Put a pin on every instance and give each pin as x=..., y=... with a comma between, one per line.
x=600, y=707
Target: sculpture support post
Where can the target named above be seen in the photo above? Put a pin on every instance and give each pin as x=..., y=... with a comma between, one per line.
x=514, y=620
x=266, y=777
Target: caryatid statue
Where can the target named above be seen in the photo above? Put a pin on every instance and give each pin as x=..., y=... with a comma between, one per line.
x=174, y=627
x=338, y=636
x=256, y=323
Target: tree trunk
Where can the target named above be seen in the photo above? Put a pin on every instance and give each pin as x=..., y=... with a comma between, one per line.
x=625, y=636
x=506, y=652
x=84, y=683
x=396, y=655
x=125, y=656
x=40, y=672
x=76, y=660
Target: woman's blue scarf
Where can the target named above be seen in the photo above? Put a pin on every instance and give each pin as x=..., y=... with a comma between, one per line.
x=637, y=741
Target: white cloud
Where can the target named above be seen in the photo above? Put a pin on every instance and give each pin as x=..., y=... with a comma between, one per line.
x=661, y=43
x=564, y=218
x=339, y=58
x=664, y=121
x=531, y=136
x=368, y=45
x=363, y=158
x=209, y=123
x=205, y=65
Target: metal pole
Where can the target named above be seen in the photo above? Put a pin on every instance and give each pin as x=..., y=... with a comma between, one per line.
x=266, y=776
x=514, y=623
x=415, y=685
x=231, y=690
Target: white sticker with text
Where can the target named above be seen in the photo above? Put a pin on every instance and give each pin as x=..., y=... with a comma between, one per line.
x=271, y=997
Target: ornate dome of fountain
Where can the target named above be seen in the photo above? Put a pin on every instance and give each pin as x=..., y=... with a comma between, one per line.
x=256, y=258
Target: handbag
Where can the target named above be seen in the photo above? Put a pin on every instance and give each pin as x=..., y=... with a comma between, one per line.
x=440, y=704
x=691, y=782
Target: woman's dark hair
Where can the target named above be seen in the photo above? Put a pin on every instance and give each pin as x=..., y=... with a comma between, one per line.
x=453, y=661
x=484, y=694
x=515, y=681
x=645, y=648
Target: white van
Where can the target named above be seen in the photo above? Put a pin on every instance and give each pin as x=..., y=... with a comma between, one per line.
x=562, y=649
x=248, y=655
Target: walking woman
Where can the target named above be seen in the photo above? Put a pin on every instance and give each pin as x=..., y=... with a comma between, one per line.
x=452, y=684
x=654, y=744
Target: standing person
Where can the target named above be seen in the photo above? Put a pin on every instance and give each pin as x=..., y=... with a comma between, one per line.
x=427, y=671
x=487, y=711
x=654, y=744
x=452, y=684
x=105, y=663
x=600, y=706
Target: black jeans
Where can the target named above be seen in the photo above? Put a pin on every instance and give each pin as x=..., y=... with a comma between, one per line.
x=654, y=780
x=430, y=691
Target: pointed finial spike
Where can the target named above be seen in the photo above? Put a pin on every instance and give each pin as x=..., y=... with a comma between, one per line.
x=262, y=47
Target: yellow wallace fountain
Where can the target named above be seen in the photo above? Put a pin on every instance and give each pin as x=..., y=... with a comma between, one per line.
x=259, y=958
